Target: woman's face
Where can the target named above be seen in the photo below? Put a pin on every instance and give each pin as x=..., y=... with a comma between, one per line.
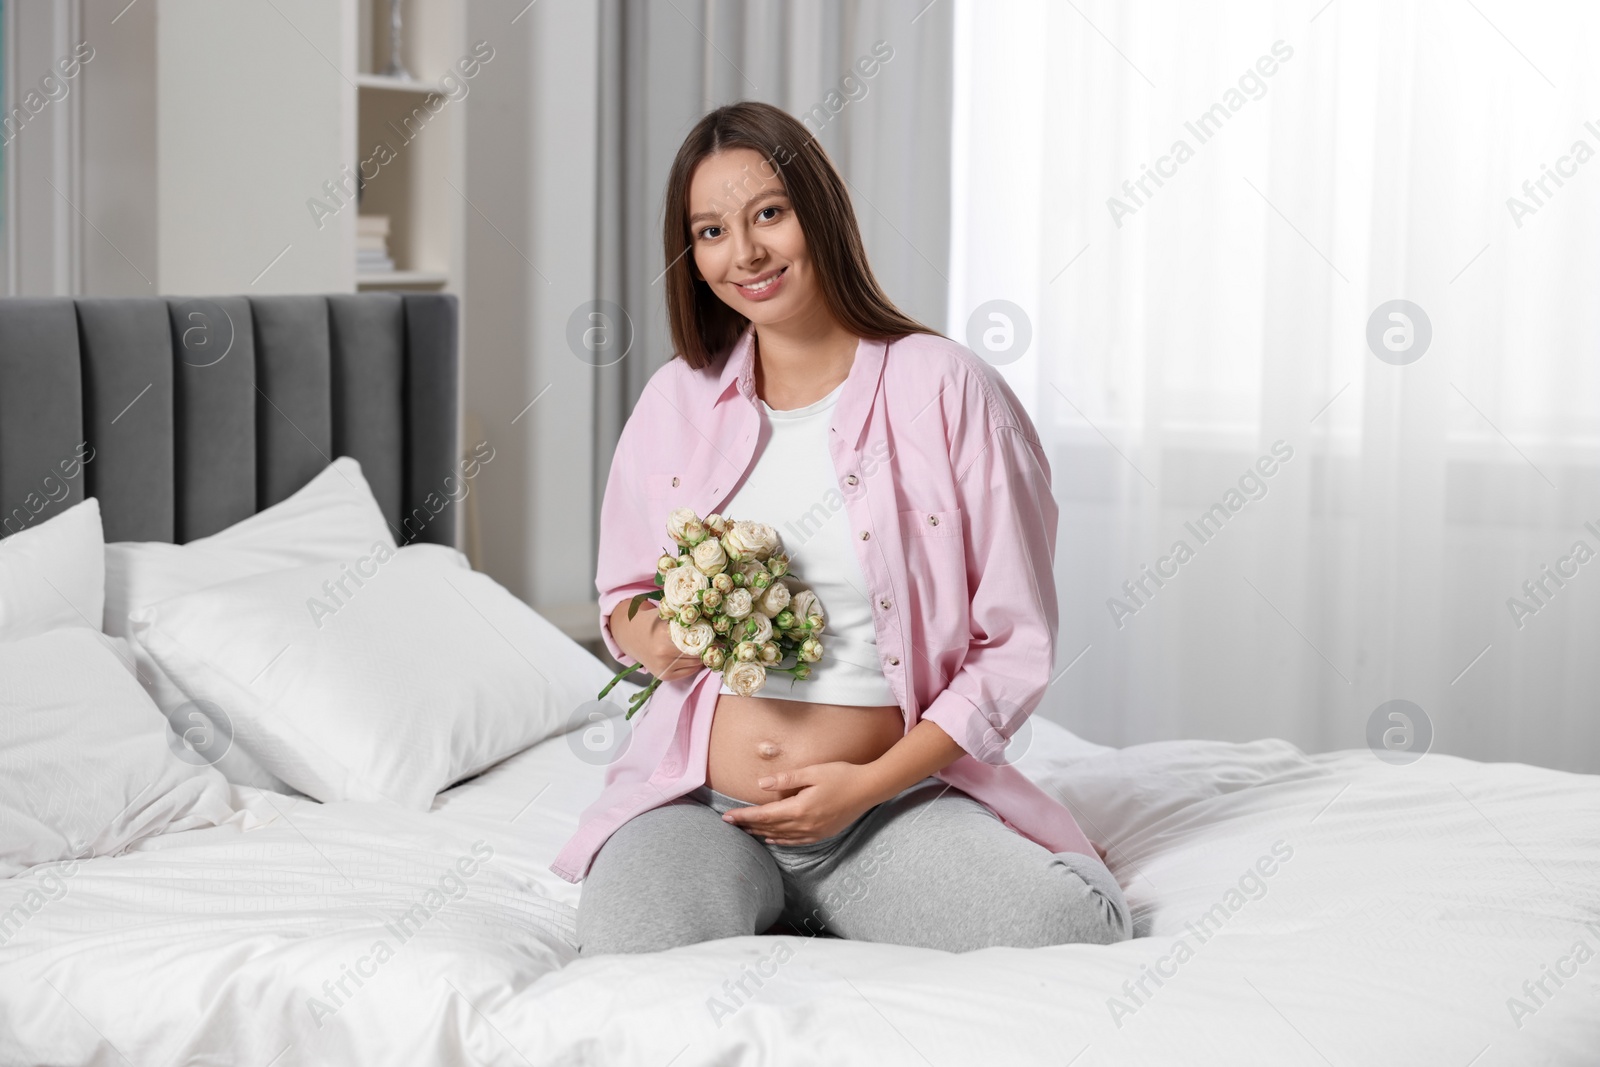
x=743, y=230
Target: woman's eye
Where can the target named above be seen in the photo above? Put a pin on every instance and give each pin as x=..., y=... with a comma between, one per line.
x=708, y=230
x=764, y=210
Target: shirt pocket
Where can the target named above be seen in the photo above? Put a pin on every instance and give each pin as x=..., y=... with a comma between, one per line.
x=662, y=493
x=942, y=524
x=936, y=577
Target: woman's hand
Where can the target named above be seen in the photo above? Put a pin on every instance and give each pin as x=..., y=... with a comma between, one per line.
x=831, y=796
x=647, y=637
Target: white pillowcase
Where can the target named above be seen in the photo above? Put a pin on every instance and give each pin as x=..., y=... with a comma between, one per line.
x=87, y=763
x=388, y=679
x=334, y=517
x=53, y=574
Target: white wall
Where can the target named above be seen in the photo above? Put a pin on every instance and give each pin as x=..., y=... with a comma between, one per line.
x=532, y=176
x=182, y=154
x=42, y=194
x=244, y=138
x=119, y=253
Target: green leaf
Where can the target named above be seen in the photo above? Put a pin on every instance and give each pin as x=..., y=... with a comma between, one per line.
x=633, y=605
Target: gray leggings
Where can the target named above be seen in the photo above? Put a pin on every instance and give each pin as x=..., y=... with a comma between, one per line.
x=930, y=867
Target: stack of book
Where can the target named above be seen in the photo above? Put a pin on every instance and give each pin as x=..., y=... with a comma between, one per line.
x=372, y=245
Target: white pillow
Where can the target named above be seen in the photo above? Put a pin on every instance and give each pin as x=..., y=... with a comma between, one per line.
x=333, y=517
x=53, y=574
x=388, y=680
x=87, y=763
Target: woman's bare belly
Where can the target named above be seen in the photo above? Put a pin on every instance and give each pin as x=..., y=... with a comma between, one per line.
x=752, y=737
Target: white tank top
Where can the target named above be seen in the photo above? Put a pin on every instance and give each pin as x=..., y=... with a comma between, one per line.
x=794, y=488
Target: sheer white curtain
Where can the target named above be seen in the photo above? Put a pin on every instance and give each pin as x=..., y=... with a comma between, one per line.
x=1290, y=169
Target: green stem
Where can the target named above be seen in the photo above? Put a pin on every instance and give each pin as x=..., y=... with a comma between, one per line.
x=788, y=670
x=624, y=672
x=641, y=698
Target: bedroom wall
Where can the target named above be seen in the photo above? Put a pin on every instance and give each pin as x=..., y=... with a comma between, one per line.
x=179, y=157
x=119, y=108
x=531, y=178
x=41, y=150
x=245, y=132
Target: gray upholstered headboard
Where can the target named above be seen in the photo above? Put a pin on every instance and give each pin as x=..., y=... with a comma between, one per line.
x=200, y=412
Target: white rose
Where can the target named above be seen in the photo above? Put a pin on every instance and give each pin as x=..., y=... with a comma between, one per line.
x=738, y=605
x=681, y=583
x=803, y=604
x=752, y=540
x=743, y=677
x=807, y=608
x=709, y=557
x=692, y=639
x=677, y=520
x=775, y=599
x=763, y=632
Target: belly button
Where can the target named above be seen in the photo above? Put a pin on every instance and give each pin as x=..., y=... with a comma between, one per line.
x=768, y=750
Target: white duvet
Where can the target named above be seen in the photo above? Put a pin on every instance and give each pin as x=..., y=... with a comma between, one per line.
x=1409, y=917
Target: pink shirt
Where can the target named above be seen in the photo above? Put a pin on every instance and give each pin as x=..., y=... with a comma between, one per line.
x=947, y=490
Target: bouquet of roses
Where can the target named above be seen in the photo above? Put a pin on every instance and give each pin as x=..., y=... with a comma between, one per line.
x=724, y=594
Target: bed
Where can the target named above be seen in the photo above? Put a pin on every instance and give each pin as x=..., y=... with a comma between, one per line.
x=1290, y=908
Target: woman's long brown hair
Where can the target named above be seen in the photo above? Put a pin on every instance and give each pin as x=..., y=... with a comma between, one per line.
x=703, y=327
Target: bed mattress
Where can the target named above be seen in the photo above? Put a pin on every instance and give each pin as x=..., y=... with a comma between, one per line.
x=1289, y=909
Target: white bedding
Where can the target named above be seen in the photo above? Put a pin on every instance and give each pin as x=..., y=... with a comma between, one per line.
x=1416, y=901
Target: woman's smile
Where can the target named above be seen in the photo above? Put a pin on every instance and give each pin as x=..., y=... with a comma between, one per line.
x=764, y=286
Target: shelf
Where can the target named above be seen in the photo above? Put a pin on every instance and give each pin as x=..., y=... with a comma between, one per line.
x=400, y=85
x=401, y=279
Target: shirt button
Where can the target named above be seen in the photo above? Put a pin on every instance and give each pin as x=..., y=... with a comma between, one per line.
x=674, y=481
x=933, y=520
x=865, y=536
x=850, y=479
x=884, y=603
x=894, y=661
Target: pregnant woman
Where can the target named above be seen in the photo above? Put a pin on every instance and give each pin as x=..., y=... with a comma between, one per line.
x=873, y=800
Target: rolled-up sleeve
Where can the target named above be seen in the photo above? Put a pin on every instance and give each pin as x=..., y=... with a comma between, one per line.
x=627, y=548
x=1010, y=530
